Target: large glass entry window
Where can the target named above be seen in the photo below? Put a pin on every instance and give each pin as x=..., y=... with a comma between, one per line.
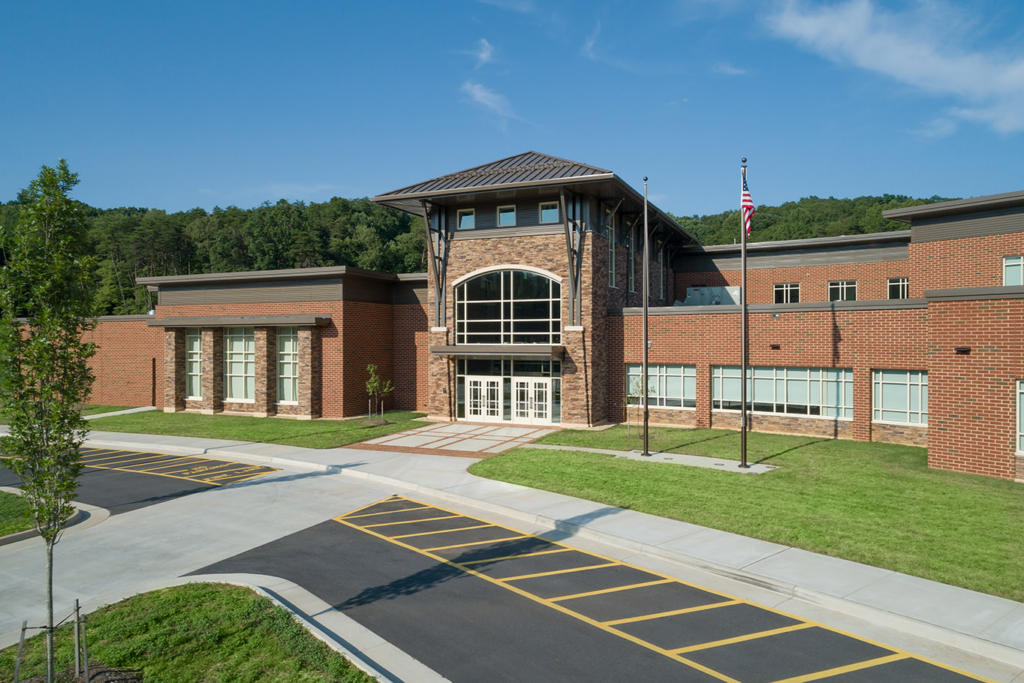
x=508, y=307
x=509, y=390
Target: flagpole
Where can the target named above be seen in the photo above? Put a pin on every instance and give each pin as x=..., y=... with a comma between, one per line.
x=646, y=452
x=743, y=322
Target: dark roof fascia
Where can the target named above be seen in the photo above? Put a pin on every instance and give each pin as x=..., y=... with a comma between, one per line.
x=412, y=277
x=246, y=321
x=267, y=275
x=975, y=293
x=957, y=206
x=802, y=307
x=809, y=243
x=499, y=350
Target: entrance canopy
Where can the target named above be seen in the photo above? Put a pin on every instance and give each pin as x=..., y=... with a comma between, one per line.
x=495, y=350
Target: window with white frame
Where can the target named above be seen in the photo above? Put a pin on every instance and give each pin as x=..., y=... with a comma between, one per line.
x=507, y=216
x=1013, y=270
x=901, y=396
x=193, y=364
x=842, y=290
x=787, y=293
x=508, y=307
x=1020, y=416
x=287, y=365
x=817, y=392
x=669, y=386
x=239, y=364
x=899, y=288
x=466, y=219
x=549, y=212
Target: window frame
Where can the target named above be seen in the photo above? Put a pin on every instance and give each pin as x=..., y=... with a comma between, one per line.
x=251, y=334
x=632, y=259
x=507, y=321
x=843, y=410
x=843, y=287
x=903, y=283
x=659, y=372
x=292, y=360
x=497, y=216
x=612, y=279
x=1016, y=261
x=787, y=289
x=540, y=213
x=459, y=213
x=191, y=357
x=1020, y=417
x=877, y=409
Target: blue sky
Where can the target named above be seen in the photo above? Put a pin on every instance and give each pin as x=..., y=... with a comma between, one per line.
x=185, y=104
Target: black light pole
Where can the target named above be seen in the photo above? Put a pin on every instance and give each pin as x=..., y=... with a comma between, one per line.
x=647, y=452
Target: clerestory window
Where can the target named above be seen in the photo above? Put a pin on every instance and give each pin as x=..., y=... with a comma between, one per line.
x=508, y=307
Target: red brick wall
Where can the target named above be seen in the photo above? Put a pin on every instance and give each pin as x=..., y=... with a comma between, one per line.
x=970, y=262
x=411, y=346
x=128, y=364
x=368, y=339
x=971, y=401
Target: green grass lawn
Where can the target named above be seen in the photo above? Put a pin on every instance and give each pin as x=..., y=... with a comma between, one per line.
x=869, y=502
x=14, y=515
x=306, y=433
x=87, y=410
x=197, y=632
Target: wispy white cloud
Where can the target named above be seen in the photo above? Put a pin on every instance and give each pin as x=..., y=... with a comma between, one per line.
x=923, y=47
x=940, y=127
x=729, y=70
x=490, y=101
x=521, y=6
x=590, y=51
x=484, y=52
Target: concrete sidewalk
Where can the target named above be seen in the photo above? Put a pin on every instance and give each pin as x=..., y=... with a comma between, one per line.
x=976, y=623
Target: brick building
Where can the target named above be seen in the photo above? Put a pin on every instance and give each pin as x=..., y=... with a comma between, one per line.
x=529, y=314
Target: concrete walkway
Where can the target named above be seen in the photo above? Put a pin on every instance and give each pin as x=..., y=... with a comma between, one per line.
x=982, y=625
x=461, y=436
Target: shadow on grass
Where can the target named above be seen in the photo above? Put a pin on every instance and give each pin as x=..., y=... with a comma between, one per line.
x=791, y=449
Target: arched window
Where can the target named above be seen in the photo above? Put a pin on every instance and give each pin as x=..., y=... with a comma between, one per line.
x=508, y=307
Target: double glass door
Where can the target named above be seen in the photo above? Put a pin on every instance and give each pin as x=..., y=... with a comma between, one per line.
x=531, y=400
x=484, y=399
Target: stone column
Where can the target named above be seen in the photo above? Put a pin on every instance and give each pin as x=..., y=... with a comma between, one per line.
x=213, y=370
x=310, y=373
x=174, y=369
x=265, y=339
x=441, y=385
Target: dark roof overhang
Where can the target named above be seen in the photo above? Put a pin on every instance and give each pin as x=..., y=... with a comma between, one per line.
x=989, y=202
x=245, y=321
x=284, y=274
x=810, y=243
x=496, y=350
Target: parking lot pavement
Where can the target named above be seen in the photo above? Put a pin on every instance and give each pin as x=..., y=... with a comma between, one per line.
x=479, y=601
x=121, y=481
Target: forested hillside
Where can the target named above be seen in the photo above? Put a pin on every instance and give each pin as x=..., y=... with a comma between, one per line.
x=809, y=217
x=130, y=243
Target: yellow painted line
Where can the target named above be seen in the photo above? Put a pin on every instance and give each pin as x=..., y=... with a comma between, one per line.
x=253, y=476
x=611, y=590
x=461, y=545
x=749, y=636
x=386, y=512
x=97, y=453
x=670, y=613
x=516, y=557
x=844, y=669
x=118, y=456
x=443, y=531
x=552, y=605
x=367, y=507
x=162, y=465
x=131, y=462
x=552, y=602
x=409, y=521
x=562, y=571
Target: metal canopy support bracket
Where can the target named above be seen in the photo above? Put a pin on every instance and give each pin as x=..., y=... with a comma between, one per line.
x=438, y=239
x=574, y=241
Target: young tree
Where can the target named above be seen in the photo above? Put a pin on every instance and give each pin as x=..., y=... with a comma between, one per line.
x=45, y=307
x=378, y=388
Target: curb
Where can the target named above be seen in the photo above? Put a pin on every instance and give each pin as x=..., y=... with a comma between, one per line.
x=32, y=533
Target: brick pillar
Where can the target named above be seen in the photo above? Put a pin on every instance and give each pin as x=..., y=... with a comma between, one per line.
x=265, y=340
x=174, y=369
x=310, y=373
x=213, y=370
x=702, y=418
x=862, y=404
x=442, y=378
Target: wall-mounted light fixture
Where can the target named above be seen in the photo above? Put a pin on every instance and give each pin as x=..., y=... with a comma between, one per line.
x=775, y=347
x=775, y=315
x=963, y=350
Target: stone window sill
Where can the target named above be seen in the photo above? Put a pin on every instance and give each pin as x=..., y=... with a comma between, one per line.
x=239, y=400
x=900, y=424
x=287, y=403
x=796, y=415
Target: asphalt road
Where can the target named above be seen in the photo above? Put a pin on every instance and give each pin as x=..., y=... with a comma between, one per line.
x=116, y=480
x=480, y=602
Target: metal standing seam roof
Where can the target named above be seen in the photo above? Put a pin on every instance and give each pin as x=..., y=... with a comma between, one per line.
x=528, y=167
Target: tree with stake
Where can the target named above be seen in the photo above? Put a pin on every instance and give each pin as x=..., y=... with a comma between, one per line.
x=378, y=388
x=45, y=308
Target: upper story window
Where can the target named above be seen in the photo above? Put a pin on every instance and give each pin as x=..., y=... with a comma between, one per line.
x=508, y=307
x=507, y=216
x=899, y=288
x=466, y=219
x=193, y=363
x=1013, y=270
x=842, y=290
x=787, y=293
x=549, y=212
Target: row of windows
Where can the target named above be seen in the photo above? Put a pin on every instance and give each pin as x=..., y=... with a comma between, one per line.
x=900, y=396
x=508, y=307
x=240, y=364
x=506, y=216
x=840, y=290
x=659, y=256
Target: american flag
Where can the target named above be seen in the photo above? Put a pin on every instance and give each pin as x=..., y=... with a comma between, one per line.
x=746, y=204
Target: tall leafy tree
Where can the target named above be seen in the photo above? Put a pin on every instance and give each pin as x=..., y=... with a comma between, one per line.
x=45, y=308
